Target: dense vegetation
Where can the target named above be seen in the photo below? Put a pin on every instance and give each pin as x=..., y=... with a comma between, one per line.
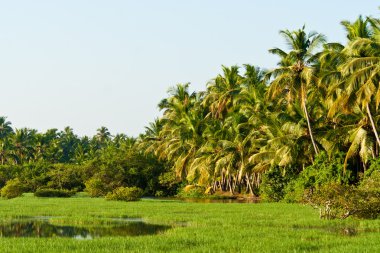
x=310, y=123
x=60, y=163
x=288, y=133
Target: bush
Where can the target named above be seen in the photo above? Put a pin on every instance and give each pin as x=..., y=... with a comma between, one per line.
x=125, y=194
x=49, y=192
x=340, y=201
x=65, y=176
x=324, y=171
x=13, y=188
x=168, y=184
x=8, y=172
x=272, y=188
x=96, y=187
x=368, y=202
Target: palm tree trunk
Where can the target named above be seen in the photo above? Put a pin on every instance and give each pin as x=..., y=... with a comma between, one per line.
x=373, y=124
x=230, y=184
x=249, y=184
x=309, y=127
x=214, y=185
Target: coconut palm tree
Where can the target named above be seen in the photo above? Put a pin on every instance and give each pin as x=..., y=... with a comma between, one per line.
x=103, y=135
x=222, y=91
x=295, y=74
x=181, y=133
x=5, y=128
x=68, y=143
x=360, y=28
x=6, y=132
x=355, y=92
x=24, y=144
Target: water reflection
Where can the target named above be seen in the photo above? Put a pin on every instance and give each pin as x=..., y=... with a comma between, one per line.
x=199, y=200
x=42, y=228
x=213, y=200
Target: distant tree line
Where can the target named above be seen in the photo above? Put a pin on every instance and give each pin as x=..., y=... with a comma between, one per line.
x=62, y=160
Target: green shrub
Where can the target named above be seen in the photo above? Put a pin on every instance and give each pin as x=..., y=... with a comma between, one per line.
x=168, y=184
x=324, y=171
x=49, y=192
x=368, y=202
x=159, y=194
x=296, y=192
x=8, y=172
x=340, y=201
x=65, y=176
x=125, y=194
x=272, y=187
x=96, y=187
x=12, y=189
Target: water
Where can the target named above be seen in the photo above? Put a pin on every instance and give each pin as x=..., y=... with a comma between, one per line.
x=41, y=227
x=211, y=200
x=195, y=200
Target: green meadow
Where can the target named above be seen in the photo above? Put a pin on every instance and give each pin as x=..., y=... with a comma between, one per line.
x=194, y=227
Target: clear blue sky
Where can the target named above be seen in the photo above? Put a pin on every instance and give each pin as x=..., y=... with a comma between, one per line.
x=92, y=63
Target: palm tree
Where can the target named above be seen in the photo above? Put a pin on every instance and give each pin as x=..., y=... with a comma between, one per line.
x=222, y=91
x=296, y=73
x=68, y=142
x=5, y=128
x=360, y=28
x=181, y=133
x=103, y=135
x=356, y=85
x=5, y=132
x=24, y=144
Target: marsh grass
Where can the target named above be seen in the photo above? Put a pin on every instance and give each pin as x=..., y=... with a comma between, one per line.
x=196, y=227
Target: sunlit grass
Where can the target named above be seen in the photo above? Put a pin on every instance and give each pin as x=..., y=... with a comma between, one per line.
x=197, y=227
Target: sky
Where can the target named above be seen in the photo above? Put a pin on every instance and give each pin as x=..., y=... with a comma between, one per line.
x=92, y=63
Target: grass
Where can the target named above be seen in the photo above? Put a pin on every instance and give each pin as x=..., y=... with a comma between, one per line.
x=197, y=227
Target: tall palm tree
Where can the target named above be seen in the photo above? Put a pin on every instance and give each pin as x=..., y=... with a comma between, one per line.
x=360, y=72
x=296, y=74
x=181, y=133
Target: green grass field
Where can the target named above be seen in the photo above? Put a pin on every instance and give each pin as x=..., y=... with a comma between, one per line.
x=197, y=227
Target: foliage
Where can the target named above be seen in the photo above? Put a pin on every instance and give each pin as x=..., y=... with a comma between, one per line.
x=125, y=194
x=168, y=183
x=65, y=176
x=337, y=200
x=340, y=201
x=13, y=188
x=323, y=171
x=49, y=192
x=96, y=188
x=274, y=182
x=192, y=191
x=8, y=172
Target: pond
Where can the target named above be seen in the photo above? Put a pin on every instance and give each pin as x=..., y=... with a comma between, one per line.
x=43, y=227
x=212, y=200
x=205, y=200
